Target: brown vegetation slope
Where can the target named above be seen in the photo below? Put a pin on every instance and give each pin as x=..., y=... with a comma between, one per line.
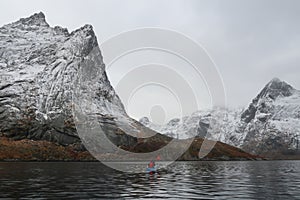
x=29, y=150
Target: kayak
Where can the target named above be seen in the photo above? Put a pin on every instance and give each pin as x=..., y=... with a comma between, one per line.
x=151, y=170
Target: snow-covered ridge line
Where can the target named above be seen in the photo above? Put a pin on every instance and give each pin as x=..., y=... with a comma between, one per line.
x=271, y=123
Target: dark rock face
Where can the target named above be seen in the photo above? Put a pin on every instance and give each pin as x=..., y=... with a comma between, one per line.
x=39, y=66
x=144, y=121
x=203, y=129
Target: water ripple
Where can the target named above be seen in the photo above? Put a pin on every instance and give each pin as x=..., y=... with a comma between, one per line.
x=181, y=180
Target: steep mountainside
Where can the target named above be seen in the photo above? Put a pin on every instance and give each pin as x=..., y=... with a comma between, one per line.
x=272, y=120
x=269, y=126
x=39, y=66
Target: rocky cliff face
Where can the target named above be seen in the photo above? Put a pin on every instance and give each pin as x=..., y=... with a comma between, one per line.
x=272, y=120
x=39, y=65
x=269, y=126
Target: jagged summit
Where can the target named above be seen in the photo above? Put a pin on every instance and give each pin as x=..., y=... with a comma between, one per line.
x=31, y=40
x=37, y=19
x=273, y=90
x=276, y=88
x=275, y=79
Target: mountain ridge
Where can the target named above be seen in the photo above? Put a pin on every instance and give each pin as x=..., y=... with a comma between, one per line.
x=267, y=127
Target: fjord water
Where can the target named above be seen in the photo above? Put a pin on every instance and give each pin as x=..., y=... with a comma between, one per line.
x=194, y=180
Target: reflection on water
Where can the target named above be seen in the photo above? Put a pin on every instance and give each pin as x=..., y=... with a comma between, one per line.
x=207, y=180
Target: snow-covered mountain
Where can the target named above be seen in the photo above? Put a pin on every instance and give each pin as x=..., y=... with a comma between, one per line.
x=42, y=66
x=272, y=120
x=217, y=124
x=39, y=67
x=270, y=124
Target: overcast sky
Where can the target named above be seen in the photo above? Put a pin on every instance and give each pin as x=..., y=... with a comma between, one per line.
x=250, y=41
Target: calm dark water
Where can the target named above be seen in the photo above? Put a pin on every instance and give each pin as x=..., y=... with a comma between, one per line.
x=194, y=180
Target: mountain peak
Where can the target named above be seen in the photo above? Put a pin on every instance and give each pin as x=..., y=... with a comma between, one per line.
x=38, y=19
x=40, y=15
x=276, y=88
x=275, y=80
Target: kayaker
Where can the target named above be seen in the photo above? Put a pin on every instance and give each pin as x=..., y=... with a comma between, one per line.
x=158, y=157
x=151, y=164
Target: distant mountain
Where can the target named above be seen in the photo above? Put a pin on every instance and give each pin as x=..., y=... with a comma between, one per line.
x=197, y=124
x=270, y=126
x=272, y=120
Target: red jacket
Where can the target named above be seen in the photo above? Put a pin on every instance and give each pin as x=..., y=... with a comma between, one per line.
x=151, y=164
